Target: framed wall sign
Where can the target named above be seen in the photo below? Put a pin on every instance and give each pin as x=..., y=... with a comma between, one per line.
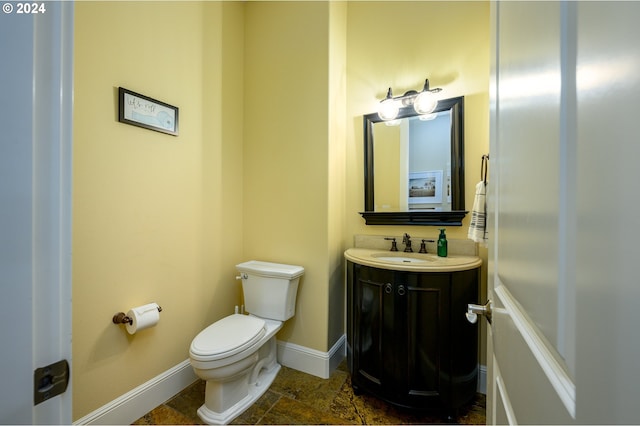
x=425, y=187
x=143, y=111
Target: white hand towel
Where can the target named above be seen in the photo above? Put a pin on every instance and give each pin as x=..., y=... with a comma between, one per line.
x=478, y=226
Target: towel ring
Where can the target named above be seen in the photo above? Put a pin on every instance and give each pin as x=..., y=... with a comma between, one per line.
x=484, y=167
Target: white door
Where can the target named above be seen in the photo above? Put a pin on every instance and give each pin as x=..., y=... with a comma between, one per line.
x=563, y=206
x=35, y=211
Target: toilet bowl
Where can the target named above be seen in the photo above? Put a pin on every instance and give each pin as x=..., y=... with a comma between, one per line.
x=236, y=355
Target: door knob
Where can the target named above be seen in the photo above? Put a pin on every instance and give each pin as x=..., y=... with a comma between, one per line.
x=474, y=310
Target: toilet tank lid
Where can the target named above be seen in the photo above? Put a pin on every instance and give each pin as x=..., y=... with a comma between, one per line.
x=268, y=269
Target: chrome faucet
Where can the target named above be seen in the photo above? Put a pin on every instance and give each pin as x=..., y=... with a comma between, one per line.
x=406, y=240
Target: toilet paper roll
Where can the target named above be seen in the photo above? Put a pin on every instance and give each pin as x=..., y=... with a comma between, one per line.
x=142, y=317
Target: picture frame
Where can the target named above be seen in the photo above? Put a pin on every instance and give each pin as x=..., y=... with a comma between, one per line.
x=143, y=111
x=425, y=187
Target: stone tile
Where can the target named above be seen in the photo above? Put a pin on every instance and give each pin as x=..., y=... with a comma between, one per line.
x=189, y=400
x=256, y=412
x=164, y=415
x=366, y=409
x=309, y=389
x=288, y=411
x=343, y=366
x=299, y=398
x=475, y=413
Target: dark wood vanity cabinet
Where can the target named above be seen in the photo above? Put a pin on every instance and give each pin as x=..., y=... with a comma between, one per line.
x=408, y=340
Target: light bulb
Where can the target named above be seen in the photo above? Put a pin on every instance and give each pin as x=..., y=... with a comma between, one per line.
x=425, y=102
x=388, y=109
x=427, y=117
x=393, y=123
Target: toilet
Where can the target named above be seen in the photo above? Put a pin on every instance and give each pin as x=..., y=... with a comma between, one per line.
x=236, y=355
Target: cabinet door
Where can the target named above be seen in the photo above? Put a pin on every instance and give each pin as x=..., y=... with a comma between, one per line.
x=423, y=311
x=408, y=340
x=373, y=324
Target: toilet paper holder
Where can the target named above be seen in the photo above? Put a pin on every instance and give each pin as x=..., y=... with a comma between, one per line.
x=122, y=318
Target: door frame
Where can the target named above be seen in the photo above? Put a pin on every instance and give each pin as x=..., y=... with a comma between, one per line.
x=37, y=114
x=52, y=141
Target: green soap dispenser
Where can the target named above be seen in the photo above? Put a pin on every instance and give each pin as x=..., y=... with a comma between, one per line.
x=442, y=244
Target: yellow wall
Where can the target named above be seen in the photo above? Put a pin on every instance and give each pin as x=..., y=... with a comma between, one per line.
x=336, y=167
x=398, y=45
x=286, y=152
x=155, y=217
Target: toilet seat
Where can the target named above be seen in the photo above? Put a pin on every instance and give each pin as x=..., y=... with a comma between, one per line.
x=227, y=337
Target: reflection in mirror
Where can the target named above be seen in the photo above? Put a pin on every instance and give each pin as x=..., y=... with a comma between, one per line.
x=412, y=165
x=414, y=170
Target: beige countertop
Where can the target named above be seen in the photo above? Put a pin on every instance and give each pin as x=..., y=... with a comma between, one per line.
x=413, y=262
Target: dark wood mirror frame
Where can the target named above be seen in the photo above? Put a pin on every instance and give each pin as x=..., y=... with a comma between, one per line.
x=457, y=213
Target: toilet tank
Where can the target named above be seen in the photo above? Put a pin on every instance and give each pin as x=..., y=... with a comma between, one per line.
x=270, y=289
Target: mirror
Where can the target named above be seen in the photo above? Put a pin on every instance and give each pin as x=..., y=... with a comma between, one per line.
x=414, y=170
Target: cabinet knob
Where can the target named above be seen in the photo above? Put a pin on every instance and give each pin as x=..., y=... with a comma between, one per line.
x=401, y=290
x=388, y=288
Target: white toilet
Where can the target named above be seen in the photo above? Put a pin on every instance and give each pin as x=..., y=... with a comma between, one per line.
x=237, y=354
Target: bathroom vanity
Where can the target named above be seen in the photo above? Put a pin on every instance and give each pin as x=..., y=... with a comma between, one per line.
x=409, y=342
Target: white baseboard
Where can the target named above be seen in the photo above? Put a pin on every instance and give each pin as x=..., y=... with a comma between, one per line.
x=322, y=364
x=311, y=361
x=134, y=404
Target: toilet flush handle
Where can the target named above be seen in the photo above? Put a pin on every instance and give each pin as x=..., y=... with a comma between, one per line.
x=242, y=276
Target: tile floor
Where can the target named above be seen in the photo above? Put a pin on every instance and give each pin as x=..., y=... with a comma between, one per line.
x=297, y=398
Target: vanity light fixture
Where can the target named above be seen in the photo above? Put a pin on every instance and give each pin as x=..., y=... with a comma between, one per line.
x=423, y=102
x=392, y=123
x=428, y=117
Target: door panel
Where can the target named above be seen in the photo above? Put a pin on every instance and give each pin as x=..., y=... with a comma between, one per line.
x=528, y=370
x=608, y=345
x=501, y=417
x=529, y=157
x=528, y=281
x=573, y=258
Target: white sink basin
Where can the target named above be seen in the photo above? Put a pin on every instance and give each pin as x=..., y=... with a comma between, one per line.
x=417, y=262
x=399, y=259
